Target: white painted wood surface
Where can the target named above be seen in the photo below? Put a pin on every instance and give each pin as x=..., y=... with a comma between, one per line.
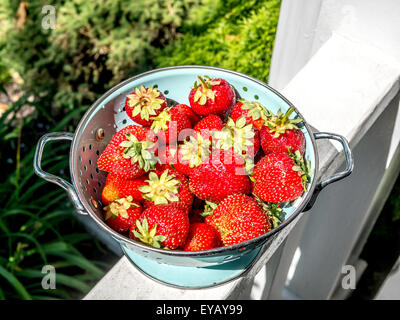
x=365, y=71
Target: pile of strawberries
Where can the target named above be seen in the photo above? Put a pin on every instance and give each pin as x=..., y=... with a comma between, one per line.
x=200, y=177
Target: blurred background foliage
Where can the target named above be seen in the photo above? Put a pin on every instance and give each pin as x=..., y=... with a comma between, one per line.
x=48, y=79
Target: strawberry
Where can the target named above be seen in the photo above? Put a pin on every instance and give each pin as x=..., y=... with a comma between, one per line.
x=144, y=103
x=220, y=175
x=117, y=187
x=130, y=153
x=169, y=124
x=122, y=213
x=208, y=125
x=238, y=218
x=202, y=237
x=279, y=132
x=275, y=214
x=170, y=187
x=159, y=226
x=238, y=136
x=280, y=177
x=193, y=117
x=192, y=153
x=211, y=96
x=168, y=159
x=254, y=112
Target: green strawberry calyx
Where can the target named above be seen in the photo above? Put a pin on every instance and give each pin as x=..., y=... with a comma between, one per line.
x=145, y=102
x=275, y=214
x=146, y=236
x=161, y=190
x=195, y=150
x=139, y=152
x=256, y=110
x=119, y=207
x=204, y=90
x=209, y=208
x=161, y=121
x=280, y=122
x=238, y=136
x=303, y=168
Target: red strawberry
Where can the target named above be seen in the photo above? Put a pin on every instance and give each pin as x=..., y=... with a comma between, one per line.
x=208, y=125
x=129, y=154
x=211, y=96
x=279, y=177
x=193, y=117
x=169, y=124
x=222, y=174
x=238, y=218
x=280, y=132
x=192, y=153
x=202, y=237
x=170, y=187
x=254, y=112
x=161, y=226
x=238, y=136
x=117, y=187
x=168, y=160
x=144, y=103
x=122, y=213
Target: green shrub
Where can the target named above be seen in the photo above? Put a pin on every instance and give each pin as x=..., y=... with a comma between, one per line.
x=233, y=34
x=37, y=224
x=95, y=44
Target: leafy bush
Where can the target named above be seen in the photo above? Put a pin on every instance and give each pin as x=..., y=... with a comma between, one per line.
x=95, y=44
x=36, y=219
x=233, y=34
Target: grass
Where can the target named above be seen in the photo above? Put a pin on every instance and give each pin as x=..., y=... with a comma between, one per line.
x=36, y=218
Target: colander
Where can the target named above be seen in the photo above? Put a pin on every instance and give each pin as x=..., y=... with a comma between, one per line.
x=107, y=116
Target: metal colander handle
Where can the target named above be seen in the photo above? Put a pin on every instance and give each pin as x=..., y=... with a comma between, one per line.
x=37, y=167
x=337, y=176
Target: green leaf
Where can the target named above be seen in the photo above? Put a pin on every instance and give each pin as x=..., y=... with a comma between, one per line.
x=15, y=283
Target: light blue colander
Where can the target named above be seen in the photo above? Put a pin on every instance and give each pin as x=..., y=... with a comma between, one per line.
x=106, y=116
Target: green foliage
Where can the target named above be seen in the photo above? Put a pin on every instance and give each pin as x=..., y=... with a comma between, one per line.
x=234, y=34
x=36, y=219
x=95, y=44
x=5, y=76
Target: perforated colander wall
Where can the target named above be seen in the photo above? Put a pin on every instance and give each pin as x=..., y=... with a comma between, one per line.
x=108, y=115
